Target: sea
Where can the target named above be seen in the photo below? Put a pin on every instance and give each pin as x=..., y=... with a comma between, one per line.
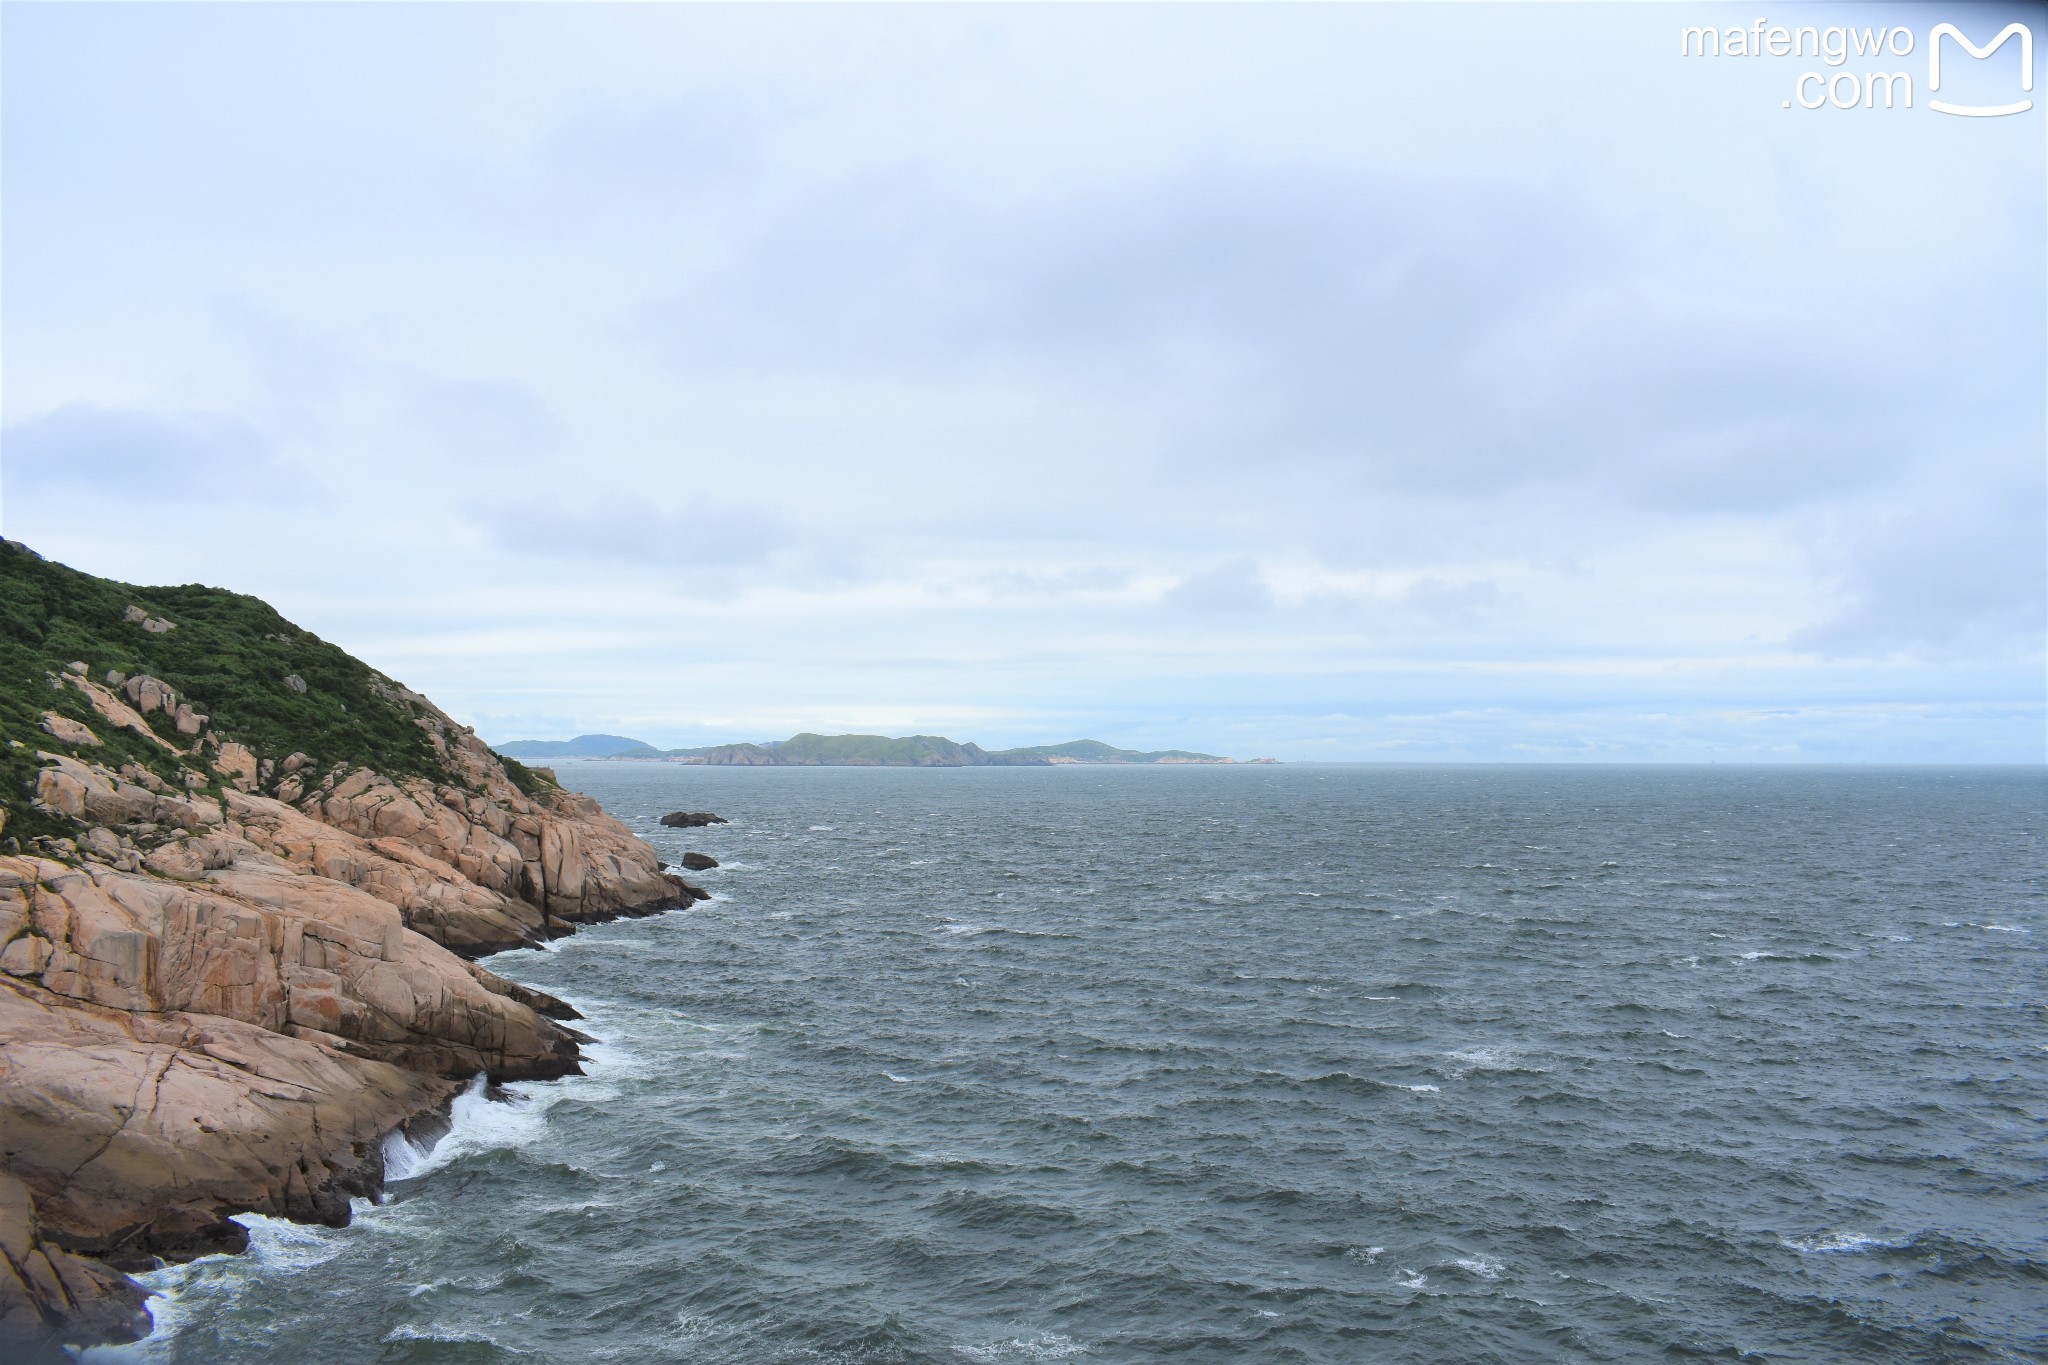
x=1294, y=1063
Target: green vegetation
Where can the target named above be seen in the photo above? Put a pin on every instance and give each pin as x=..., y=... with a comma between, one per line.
x=583, y=746
x=228, y=656
x=911, y=751
x=1095, y=751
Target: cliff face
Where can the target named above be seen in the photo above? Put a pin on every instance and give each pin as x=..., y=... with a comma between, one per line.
x=227, y=969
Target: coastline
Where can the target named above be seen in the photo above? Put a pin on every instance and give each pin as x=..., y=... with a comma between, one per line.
x=237, y=1019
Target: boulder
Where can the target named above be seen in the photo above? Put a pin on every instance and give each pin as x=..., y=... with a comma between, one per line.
x=234, y=762
x=699, y=862
x=147, y=694
x=155, y=625
x=65, y=730
x=691, y=819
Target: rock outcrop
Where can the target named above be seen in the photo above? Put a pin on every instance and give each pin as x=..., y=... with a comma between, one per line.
x=215, y=1004
x=699, y=862
x=49, y=1296
x=691, y=819
x=244, y=879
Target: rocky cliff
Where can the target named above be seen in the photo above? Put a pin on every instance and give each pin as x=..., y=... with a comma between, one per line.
x=232, y=960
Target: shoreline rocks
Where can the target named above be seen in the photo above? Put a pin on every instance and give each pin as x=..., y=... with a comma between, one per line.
x=221, y=1004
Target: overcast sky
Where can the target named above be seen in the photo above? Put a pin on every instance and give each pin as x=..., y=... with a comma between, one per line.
x=1375, y=382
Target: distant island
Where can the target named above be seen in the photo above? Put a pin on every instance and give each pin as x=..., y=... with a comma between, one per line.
x=583, y=746
x=853, y=751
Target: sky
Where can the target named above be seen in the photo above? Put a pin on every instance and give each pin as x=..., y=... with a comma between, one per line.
x=1323, y=382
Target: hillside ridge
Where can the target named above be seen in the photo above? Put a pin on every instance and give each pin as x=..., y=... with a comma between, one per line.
x=244, y=877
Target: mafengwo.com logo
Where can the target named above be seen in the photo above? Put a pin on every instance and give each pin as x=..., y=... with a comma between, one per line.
x=1854, y=62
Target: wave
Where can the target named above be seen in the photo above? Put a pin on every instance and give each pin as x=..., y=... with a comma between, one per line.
x=1483, y=1267
x=1827, y=1243
x=181, y=1294
x=1345, y=1080
x=1044, y=1346
x=482, y=1120
x=450, y=1335
x=1489, y=1059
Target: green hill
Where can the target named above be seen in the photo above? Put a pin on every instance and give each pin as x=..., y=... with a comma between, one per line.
x=1095, y=751
x=258, y=680
x=914, y=751
x=583, y=746
x=842, y=751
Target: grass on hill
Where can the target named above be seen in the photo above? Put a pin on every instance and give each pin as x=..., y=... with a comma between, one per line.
x=228, y=656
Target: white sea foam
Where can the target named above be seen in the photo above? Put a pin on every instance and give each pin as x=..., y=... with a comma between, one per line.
x=1488, y=1059
x=2000, y=928
x=1044, y=1346
x=1485, y=1267
x=408, y=1332
x=900, y=1080
x=478, y=1124
x=1424, y=1089
x=823, y=829
x=1826, y=1242
x=1410, y=1279
x=277, y=1249
x=168, y=1308
x=1366, y=1254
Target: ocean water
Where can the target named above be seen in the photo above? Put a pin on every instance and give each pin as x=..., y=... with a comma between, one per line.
x=1258, y=1064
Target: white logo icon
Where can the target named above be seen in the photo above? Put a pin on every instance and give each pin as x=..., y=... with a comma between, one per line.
x=2026, y=37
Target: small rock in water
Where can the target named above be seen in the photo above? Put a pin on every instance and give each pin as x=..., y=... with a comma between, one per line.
x=698, y=862
x=694, y=892
x=691, y=819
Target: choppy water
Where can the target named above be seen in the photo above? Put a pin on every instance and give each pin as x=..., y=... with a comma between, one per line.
x=1294, y=1064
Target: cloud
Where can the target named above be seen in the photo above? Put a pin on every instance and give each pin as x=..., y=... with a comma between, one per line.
x=172, y=457
x=486, y=424
x=630, y=528
x=1466, y=602
x=1959, y=576
x=1383, y=334
x=1099, y=578
x=297, y=367
x=1230, y=589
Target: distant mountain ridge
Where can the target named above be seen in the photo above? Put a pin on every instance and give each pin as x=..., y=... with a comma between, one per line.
x=857, y=751
x=583, y=746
